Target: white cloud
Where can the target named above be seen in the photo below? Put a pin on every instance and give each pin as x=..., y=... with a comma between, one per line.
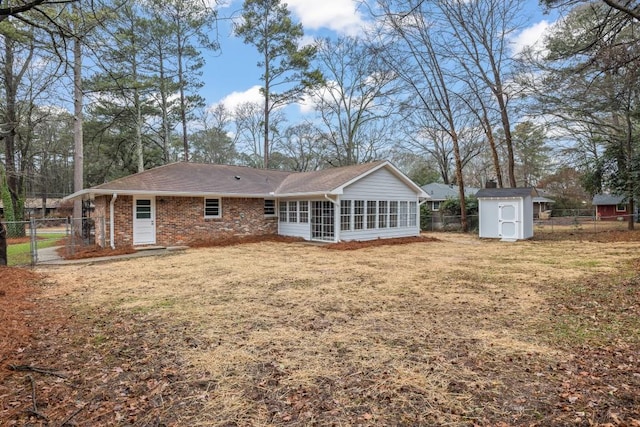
x=532, y=37
x=340, y=16
x=234, y=99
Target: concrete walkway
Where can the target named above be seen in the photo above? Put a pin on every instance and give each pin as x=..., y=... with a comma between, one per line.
x=50, y=257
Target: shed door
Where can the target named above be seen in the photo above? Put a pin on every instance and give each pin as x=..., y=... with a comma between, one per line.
x=508, y=220
x=144, y=220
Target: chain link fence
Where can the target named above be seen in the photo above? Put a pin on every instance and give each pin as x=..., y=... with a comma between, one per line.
x=586, y=222
x=41, y=241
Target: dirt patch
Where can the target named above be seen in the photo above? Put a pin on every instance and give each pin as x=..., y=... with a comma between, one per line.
x=354, y=245
x=93, y=252
x=459, y=331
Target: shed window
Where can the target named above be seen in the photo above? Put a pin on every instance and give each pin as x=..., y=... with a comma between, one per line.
x=621, y=208
x=345, y=215
x=435, y=205
x=269, y=207
x=212, y=208
x=304, y=211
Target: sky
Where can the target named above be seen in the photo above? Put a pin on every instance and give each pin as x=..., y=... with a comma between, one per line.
x=232, y=76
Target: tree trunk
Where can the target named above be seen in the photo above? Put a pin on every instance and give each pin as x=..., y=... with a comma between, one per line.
x=459, y=178
x=494, y=152
x=78, y=157
x=3, y=244
x=183, y=101
x=13, y=212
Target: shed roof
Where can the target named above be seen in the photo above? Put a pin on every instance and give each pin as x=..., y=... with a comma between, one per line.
x=607, y=199
x=506, y=192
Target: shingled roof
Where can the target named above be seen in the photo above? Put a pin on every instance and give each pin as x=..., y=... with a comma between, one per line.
x=197, y=179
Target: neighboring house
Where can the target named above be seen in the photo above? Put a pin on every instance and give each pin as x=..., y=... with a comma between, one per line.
x=438, y=193
x=33, y=207
x=441, y=192
x=609, y=207
x=542, y=205
x=183, y=202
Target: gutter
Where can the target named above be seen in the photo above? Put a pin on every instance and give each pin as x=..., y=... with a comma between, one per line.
x=112, y=238
x=326, y=196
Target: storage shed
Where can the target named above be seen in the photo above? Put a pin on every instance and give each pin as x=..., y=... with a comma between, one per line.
x=506, y=213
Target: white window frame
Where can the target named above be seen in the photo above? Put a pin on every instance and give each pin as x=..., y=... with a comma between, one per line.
x=303, y=211
x=219, y=207
x=346, y=210
x=292, y=208
x=282, y=209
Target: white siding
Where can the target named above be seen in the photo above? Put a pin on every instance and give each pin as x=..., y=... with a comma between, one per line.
x=527, y=218
x=489, y=226
x=294, y=230
x=379, y=185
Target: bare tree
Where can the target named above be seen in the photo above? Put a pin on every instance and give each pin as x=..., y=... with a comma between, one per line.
x=479, y=40
x=415, y=53
x=303, y=148
x=355, y=103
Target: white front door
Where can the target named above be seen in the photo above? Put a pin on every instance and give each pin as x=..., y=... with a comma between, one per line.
x=144, y=220
x=508, y=220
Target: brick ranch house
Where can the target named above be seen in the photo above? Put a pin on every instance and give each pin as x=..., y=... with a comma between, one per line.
x=179, y=203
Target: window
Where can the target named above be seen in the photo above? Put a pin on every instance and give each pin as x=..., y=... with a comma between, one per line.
x=371, y=214
x=382, y=214
x=621, y=208
x=212, y=208
x=283, y=211
x=345, y=215
x=393, y=214
x=413, y=214
x=293, y=211
x=269, y=207
x=403, y=214
x=143, y=209
x=358, y=214
x=304, y=211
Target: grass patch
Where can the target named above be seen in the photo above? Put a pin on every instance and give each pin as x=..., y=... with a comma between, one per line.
x=20, y=253
x=456, y=331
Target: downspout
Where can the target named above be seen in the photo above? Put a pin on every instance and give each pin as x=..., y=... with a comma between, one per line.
x=112, y=239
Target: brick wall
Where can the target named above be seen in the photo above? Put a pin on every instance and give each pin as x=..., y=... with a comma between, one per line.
x=180, y=220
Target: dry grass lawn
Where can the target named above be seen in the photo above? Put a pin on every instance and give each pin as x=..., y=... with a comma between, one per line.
x=459, y=331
